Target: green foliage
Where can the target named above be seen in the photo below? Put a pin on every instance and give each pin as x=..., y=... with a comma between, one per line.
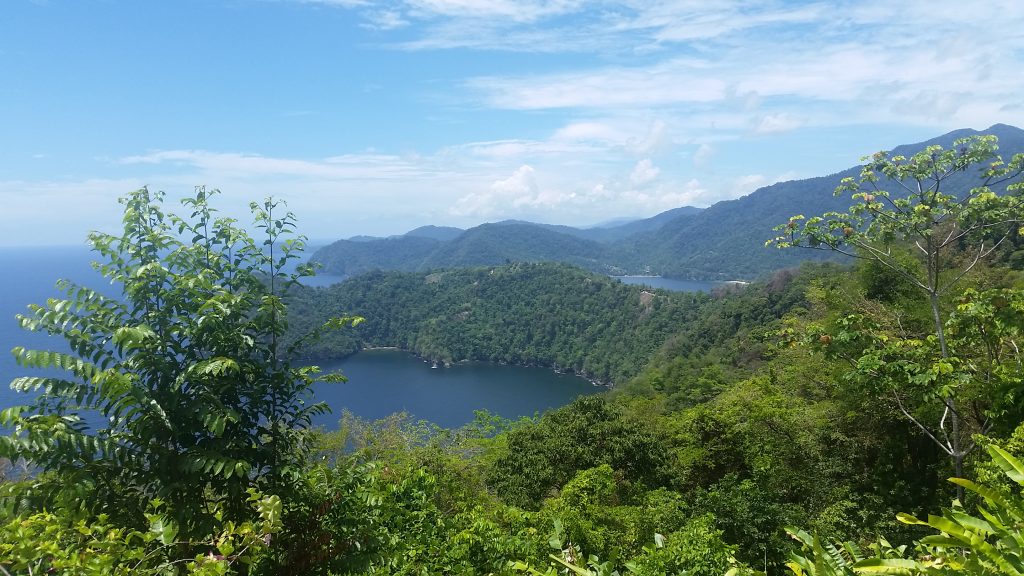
x=196, y=398
x=955, y=206
x=919, y=208
x=819, y=558
x=537, y=459
x=44, y=543
x=548, y=315
x=989, y=543
x=696, y=550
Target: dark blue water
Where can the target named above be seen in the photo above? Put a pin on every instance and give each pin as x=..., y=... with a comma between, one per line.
x=381, y=382
x=30, y=276
x=669, y=283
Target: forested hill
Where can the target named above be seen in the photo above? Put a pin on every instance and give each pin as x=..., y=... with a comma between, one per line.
x=543, y=314
x=723, y=242
x=430, y=247
x=727, y=240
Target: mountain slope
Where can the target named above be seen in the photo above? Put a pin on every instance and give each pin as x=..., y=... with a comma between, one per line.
x=723, y=242
x=441, y=233
x=348, y=257
x=726, y=241
x=516, y=242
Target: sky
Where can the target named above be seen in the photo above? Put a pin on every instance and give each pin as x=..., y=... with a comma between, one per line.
x=373, y=117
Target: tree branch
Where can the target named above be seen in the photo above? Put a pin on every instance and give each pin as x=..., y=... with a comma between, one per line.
x=919, y=425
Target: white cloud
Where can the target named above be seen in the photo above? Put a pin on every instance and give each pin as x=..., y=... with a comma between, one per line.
x=510, y=194
x=656, y=139
x=665, y=197
x=521, y=184
x=584, y=131
x=64, y=210
x=236, y=164
x=385, y=20
x=746, y=184
x=644, y=173
x=743, y=185
x=775, y=123
x=676, y=81
x=516, y=10
x=687, y=21
x=703, y=156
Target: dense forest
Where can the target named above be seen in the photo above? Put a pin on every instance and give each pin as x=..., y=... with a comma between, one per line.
x=542, y=314
x=804, y=424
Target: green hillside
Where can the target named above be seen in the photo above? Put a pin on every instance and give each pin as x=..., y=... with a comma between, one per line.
x=722, y=242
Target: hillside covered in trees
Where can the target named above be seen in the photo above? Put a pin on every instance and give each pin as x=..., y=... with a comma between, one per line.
x=722, y=242
x=774, y=428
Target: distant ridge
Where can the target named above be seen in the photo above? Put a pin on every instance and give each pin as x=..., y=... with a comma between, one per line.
x=722, y=242
x=442, y=233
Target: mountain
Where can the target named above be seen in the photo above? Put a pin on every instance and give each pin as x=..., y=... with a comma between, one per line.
x=722, y=242
x=614, y=233
x=349, y=258
x=726, y=241
x=517, y=242
x=442, y=233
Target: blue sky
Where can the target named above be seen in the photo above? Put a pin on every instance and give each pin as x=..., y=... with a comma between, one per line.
x=374, y=117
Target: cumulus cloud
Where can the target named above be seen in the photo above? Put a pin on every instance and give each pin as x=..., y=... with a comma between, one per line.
x=662, y=198
x=644, y=172
x=743, y=185
x=507, y=194
x=655, y=140
x=747, y=184
x=703, y=156
x=521, y=184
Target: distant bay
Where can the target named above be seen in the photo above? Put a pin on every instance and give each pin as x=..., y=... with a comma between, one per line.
x=669, y=283
x=381, y=381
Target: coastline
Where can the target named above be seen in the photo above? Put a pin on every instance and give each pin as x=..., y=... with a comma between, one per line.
x=435, y=363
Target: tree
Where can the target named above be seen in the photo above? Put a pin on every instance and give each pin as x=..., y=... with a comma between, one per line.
x=950, y=210
x=179, y=389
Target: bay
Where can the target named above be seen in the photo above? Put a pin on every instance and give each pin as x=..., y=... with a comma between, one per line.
x=381, y=381
x=669, y=283
x=30, y=277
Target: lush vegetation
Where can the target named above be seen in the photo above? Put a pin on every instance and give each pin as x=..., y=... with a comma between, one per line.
x=806, y=423
x=535, y=314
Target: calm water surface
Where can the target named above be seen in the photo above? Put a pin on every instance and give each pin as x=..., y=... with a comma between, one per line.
x=669, y=283
x=381, y=381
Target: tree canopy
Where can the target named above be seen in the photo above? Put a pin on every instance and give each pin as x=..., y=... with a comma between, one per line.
x=177, y=389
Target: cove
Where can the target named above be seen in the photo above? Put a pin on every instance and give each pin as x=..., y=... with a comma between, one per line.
x=671, y=284
x=382, y=382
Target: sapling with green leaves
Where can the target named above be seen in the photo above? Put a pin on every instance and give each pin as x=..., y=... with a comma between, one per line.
x=193, y=398
x=950, y=210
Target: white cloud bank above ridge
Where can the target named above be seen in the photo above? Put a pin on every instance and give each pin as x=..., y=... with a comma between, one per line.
x=814, y=64
x=664, y=87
